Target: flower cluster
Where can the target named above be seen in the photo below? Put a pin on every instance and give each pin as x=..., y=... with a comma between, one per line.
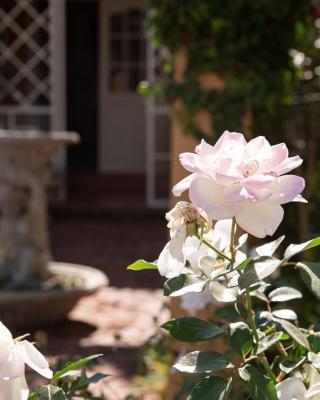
x=14, y=354
x=242, y=184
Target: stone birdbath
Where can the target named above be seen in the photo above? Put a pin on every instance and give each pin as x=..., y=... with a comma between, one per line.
x=26, y=297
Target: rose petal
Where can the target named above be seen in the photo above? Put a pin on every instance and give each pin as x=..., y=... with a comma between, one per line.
x=258, y=146
x=259, y=219
x=275, y=156
x=291, y=388
x=207, y=194
x=183, y=185
x=14, y=389
x=33, y=358
x=285, y=189
x=13, y=367
x=171, y=261
x=313, y=390
x=288, y=165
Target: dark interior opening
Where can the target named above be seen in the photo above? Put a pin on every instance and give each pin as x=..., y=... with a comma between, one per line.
x=81, y=82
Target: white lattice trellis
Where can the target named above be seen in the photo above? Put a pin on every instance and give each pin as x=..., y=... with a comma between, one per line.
x=32, y=46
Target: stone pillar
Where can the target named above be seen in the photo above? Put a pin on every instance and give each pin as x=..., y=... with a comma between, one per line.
x=24, y=175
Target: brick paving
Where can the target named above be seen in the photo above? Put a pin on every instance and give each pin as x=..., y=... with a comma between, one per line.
x=119, y=319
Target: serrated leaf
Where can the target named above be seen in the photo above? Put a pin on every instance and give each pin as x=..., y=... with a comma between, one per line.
x=288, y=366
x=211, y=388
x=269, y=249
x=241, y=338
x=294, y=332
x=285, y=314
x=183, y=284
x=141, y=265
x=310, y=273
x=260, y=386
x=48, y=392
x=202, y=361
x=284, y=293
x=192, y=329
x=72, y=366
x=294, y=249
x=267, y=342
x=260, y=269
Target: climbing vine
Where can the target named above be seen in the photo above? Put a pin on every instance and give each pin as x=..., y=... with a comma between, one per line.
x=246, y=43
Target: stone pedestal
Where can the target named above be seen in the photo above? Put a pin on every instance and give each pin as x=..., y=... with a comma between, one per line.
x=24, y=174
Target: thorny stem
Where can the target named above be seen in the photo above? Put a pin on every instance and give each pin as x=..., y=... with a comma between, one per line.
x=263, y=360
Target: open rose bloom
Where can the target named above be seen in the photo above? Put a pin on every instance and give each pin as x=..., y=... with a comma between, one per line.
x=13, y=357
x=245, y=180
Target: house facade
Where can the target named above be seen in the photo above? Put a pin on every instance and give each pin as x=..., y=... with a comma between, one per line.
x=75, y=65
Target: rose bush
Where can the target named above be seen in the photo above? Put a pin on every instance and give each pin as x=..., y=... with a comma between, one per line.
x=65, y=384
x=239, y=183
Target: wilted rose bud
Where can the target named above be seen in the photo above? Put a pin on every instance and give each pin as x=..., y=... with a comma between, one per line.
x=185, y=213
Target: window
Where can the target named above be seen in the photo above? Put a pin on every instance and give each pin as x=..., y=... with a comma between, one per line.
x=126, y=51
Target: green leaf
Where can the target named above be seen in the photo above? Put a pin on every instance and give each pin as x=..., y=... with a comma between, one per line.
x=48, y=392
x=267, y=342
x=294, y=249
x=244, y=263
x=211, y=388
x=285, y=314
x=294, y=332
x=269, y=249
x=199, y=362
x=183, y=284
x=310, y=273
x=284, y=293
x=192, y=329
x=241, y=338
x=260, y=269
x=260, y=386
x=140, y=265
x=288, y=365
x=72, y=366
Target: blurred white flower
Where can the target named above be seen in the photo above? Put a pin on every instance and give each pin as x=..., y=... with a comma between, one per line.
x=13, y=357
x=294, y=389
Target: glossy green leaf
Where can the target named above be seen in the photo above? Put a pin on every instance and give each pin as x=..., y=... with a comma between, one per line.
x=267, y=342
x=310, y=273
x=140, y=265
x=260, y=269
x=211, y=388
x=73, y=366
x=202, y=361
x=294, y=332
x=183, y=284
x=48, y=392
x=241, y=338
x=269, y=249
x=260, y=386
x=288, y=365
x=285, y=314
x=294, y=249
x=284, y=293
x=192, y=329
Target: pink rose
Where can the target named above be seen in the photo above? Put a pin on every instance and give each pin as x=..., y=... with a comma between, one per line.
x=245, y=180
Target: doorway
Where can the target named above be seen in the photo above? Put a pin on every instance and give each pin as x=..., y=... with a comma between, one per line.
x=122, y=66
x=82, y=82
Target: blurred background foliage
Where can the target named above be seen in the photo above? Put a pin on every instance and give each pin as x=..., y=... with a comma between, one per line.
x=267, y=52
